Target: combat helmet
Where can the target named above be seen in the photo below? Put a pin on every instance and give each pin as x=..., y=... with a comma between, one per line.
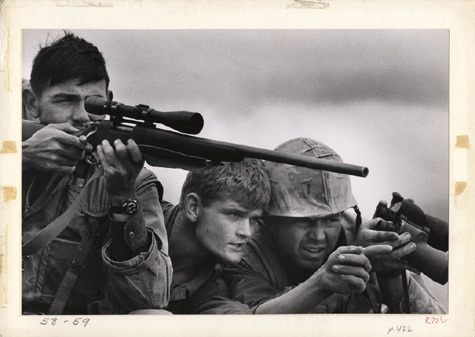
x=303, y=192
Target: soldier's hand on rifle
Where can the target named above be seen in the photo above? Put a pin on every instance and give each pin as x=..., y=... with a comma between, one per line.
x=347, y=269
x=378, y=231
x=122, y=164
x=55, y=149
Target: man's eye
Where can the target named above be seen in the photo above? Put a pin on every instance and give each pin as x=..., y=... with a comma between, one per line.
x=234, y=215
x=304, y=225
x=64, y=101
x=255, y=221
x=335, y=218
x=332, y=221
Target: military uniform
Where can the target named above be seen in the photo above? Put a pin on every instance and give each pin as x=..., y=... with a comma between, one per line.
x=103, y=285
x=264, y=274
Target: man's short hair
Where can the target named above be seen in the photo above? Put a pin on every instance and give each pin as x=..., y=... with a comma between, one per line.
x=245, y=182
x=65, y=59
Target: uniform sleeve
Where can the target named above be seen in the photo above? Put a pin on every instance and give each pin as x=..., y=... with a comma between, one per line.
x=250, y=287
x=142, y=282
x=214, y=298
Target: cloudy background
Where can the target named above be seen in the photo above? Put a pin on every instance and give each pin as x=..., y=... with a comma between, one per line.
x=378, y=97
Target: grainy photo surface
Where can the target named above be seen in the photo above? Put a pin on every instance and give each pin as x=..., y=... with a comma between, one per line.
x=375, y=98
x=204, y=168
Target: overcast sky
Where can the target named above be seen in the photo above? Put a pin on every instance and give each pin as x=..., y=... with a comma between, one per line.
x=378, y=97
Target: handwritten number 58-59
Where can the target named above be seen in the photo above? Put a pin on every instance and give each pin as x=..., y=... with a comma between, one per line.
x=77, y=321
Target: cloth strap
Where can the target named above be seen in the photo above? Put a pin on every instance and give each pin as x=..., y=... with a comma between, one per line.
x=69, y=279
x=47, y=234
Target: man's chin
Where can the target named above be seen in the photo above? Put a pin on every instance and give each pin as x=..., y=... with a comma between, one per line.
x=232, y=258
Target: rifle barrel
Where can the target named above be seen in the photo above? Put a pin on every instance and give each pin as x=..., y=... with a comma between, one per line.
x=223, y=151
x=211, y=150
x=301, y=160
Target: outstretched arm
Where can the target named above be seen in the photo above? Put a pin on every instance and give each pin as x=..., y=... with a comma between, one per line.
x=346, y=271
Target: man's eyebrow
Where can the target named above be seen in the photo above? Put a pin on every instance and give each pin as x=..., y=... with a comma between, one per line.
x=73, y=96
x=238, y=209
x=64, y=95
x=235, y=209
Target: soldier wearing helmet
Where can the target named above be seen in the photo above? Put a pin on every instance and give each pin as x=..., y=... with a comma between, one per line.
x=301, y=257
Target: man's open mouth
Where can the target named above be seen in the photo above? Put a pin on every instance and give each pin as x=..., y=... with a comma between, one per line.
x=314, y=250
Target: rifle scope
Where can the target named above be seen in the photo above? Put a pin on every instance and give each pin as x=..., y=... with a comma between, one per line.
x=183, y=121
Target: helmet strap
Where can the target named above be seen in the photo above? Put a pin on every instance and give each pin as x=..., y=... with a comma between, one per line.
x=358, y=217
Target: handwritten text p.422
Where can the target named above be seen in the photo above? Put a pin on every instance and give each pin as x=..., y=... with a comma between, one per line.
x=400, y=328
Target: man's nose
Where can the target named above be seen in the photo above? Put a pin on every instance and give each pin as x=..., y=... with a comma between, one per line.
x=244, y=229
x=317, y=232
x=80, y=116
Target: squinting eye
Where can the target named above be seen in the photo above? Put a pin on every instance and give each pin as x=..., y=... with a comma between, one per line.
x=255, y=221
x=234, y=215
x=305, y=224
x=66, y=101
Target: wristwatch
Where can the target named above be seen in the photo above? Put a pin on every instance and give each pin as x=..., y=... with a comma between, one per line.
x=130, y=206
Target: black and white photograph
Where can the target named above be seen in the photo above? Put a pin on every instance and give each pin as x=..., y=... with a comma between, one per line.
x=236, y=173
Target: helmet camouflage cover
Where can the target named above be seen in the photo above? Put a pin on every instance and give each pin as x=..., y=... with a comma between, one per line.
x=303, y=192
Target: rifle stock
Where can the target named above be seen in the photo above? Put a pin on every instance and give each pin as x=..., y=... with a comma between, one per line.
x=171, y=149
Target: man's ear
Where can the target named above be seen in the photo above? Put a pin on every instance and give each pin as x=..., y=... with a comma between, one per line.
x=30, y=102
x=192, y=206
